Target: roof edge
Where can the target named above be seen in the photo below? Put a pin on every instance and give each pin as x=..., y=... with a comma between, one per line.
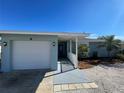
x=43, y=33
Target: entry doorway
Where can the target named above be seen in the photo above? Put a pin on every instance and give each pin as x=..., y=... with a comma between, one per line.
x=62, y=50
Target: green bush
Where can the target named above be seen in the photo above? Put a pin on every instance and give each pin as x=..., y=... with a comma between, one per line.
x=120, y=56
x=82, y=51
x=121, y=51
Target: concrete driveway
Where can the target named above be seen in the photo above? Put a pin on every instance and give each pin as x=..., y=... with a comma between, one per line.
x=21, y=81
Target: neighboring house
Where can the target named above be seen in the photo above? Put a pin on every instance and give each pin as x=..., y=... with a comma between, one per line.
x=94, y=46
x=31, y=50
x=122, y=45
x=0, y=50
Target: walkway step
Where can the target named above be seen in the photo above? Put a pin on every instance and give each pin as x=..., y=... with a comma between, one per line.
x=93, y=85
x=68, y=87
x=78, y=86
x=57, y=88
x=86, y=85
x=72, y=86
x=65, y=87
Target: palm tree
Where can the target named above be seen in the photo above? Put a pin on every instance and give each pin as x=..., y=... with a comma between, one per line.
x=110, y=43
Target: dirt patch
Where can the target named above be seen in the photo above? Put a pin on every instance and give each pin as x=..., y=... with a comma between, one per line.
x=84, y=65
x=108, y=79
x=89, y=63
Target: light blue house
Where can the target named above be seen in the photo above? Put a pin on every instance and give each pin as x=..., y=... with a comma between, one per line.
x=41, y=50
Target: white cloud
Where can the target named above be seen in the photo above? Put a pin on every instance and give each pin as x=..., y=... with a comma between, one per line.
x=93, y=36
x=119, y=37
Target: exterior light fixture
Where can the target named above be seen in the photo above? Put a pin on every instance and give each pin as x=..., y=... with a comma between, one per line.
x=53, y=43
x=5, y=43
x=30, y=38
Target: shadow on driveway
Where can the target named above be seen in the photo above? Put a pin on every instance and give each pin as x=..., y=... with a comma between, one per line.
x=21, y=81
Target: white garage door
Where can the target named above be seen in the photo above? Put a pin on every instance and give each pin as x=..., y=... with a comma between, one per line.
x=31, y=55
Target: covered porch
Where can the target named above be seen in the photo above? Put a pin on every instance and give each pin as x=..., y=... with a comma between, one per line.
x=68, y=48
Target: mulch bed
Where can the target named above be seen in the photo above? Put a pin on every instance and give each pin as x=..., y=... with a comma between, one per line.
x=85, y=64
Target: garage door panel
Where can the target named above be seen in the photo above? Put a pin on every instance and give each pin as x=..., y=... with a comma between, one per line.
x=31, y=54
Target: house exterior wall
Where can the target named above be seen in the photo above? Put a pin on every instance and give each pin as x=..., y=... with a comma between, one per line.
x=6, y=62
x=83, y=42
x=102, y=52
x=0, y=51
x=122, y=46
x=94, y=46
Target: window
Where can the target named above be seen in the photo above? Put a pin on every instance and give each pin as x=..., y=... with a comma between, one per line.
x=68, y=46
x=73, y=47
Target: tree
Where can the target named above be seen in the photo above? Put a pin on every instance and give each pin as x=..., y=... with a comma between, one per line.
x=82, y=51
x=101, y=37
x=110, y=43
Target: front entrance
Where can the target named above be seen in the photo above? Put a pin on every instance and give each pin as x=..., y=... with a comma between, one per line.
x=62, y=50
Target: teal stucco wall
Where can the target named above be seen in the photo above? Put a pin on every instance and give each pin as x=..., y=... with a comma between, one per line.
x=6, y=62
x=94, y=47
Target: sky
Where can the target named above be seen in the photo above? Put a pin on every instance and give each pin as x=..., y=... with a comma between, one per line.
x=98, y=17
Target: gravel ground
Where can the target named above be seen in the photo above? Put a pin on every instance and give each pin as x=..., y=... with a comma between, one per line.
x=109, y=78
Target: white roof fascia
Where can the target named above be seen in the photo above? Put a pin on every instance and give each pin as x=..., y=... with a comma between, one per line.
x=92, y=40
x=45, y=33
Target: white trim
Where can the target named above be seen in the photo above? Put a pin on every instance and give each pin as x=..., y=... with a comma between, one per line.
x=70, y=46
x=44, y=33
x=71, y=56
x=76, y=42
x=91, y=40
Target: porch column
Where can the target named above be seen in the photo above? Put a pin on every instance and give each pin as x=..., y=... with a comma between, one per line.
x=76, y=42
x=70, y=46
x=88, y=49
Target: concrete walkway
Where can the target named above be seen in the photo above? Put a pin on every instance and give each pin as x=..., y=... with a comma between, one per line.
x=73, y=76
x=66, y=65
x=68, y=74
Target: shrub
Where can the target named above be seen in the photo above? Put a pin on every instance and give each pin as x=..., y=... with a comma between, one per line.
x=121, y=51
x=120, y=56
x=82, y=51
